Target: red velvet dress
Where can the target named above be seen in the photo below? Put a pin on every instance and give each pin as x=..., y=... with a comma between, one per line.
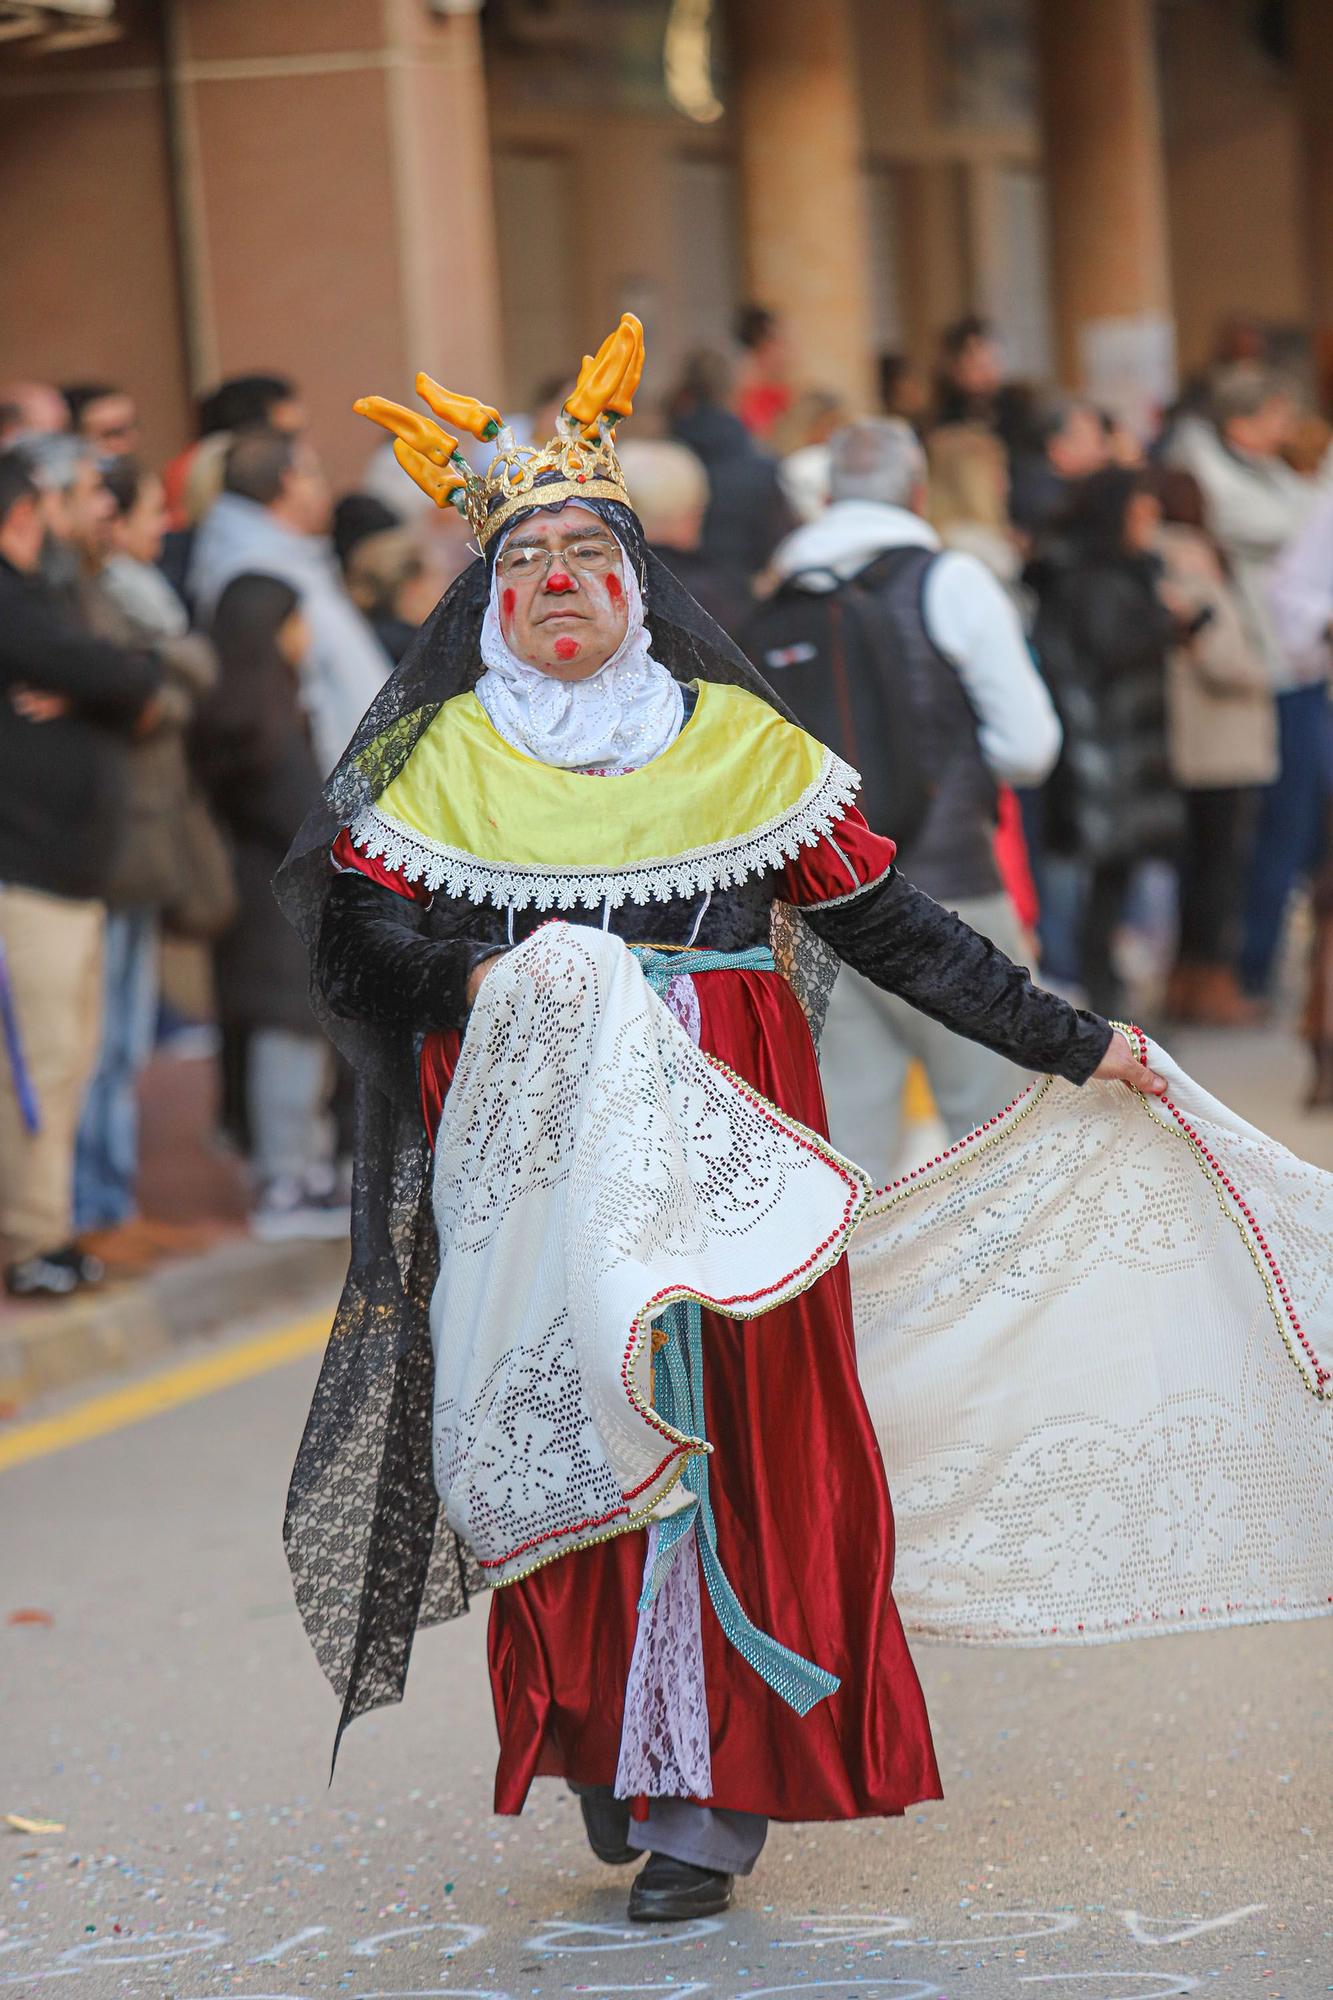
x=804, y=1523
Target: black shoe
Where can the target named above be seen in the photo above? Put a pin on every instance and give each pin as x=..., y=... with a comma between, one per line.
x=669, y=1892
x=606, y=1823
x=88, y=1269
x=53, y=1274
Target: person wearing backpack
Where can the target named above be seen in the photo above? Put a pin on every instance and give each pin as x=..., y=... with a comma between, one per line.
x=910, y=661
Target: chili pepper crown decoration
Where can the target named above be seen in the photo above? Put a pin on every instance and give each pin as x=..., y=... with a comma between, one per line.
x=579, y=462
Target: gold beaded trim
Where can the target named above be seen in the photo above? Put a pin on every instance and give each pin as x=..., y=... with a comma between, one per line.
x=553, y=493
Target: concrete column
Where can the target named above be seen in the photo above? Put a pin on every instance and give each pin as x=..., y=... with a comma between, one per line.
x=89, y=287
x=333, y=172
x=934, y=255
x=1108, y=229
x=440, y=138
x=1313, y=52
x=803, y=202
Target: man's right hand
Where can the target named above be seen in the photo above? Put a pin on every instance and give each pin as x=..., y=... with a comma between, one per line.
x=39, y=705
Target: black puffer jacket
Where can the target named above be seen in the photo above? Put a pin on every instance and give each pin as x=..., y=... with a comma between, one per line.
x=64, y=782
x=1102, y=638
x=747, y=512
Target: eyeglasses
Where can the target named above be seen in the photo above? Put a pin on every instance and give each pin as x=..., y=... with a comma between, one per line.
x=591, y=558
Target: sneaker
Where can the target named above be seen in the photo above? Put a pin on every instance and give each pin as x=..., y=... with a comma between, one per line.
x=53, y=1274
x=289, y=1210
x=88, y=1268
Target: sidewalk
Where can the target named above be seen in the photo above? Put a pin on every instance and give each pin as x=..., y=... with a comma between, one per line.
x=209, y=1273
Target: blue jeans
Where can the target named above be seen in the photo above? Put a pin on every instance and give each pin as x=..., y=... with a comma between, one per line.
x=106, y=1159
x=1289, y=837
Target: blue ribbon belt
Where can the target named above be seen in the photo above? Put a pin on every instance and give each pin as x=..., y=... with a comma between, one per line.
x=678, y=1396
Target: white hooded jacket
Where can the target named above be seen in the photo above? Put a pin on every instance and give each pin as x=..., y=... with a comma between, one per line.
x=347, y=665
x=968, y=614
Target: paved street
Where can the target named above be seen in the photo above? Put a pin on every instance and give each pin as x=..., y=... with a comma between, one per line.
x=1124, y=1821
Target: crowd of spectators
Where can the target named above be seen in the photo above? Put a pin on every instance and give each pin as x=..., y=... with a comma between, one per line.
x=1174, y=592
x=1111, y=654
x=183, y=655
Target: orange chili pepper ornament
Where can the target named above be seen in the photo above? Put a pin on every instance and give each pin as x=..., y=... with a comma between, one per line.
x=608, y=379
x=478, y=419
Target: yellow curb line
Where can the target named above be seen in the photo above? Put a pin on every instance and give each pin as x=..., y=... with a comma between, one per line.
x=167, y=1391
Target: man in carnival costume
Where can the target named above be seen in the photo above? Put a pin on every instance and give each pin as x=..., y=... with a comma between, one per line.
x=628, y=1135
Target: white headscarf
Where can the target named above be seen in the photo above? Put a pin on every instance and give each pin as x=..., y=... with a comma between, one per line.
x=621, y=717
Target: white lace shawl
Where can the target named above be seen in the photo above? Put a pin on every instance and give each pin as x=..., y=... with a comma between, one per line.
x=1096, y=1340
x=591, y=1166
x=1097, y=1343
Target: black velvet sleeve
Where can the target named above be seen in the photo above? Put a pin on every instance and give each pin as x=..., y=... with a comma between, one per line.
x=898, y=937
x=373, y=964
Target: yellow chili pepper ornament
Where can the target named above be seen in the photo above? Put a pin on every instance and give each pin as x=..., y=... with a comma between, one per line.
x=428, y=455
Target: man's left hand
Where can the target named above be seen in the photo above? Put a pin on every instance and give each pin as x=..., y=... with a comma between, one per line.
x=1120, y=1064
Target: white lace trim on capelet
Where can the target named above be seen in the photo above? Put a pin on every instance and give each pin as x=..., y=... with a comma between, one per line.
x=739, y=791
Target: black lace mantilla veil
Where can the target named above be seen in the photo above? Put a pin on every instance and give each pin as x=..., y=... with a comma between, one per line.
x=370, y=1553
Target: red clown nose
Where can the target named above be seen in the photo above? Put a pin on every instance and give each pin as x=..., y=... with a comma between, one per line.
x=558, y=581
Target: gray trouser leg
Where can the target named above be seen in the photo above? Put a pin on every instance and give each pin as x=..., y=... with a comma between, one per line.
x=870, y=1038
x=287, y=1096
x=863, y=1066
x=706, y=1836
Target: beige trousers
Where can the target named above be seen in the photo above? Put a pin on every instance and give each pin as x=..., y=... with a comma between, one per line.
x=53, y=956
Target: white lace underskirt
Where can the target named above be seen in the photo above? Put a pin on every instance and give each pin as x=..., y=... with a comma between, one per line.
x=665, y=1742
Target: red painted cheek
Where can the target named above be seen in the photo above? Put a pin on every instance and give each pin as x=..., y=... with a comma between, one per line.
x=565, y=649
x=507, y=605
x=614, y=589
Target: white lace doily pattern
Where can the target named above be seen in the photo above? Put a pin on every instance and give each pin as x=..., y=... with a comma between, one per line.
x=592, y=1167
x=1097, y=1342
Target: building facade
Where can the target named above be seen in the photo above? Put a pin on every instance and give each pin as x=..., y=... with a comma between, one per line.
x=347, y=190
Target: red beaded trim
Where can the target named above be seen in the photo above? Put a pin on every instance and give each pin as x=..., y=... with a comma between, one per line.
x=1213, y=1166
x=911, y=1183
x=593, y=1521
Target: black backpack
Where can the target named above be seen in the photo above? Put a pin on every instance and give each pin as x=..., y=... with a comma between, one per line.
x=836, y=659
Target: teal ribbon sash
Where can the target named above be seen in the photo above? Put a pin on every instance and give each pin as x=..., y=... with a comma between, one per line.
x=678, y=1397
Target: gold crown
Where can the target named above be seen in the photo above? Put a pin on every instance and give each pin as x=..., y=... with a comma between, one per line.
x=578, y=463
